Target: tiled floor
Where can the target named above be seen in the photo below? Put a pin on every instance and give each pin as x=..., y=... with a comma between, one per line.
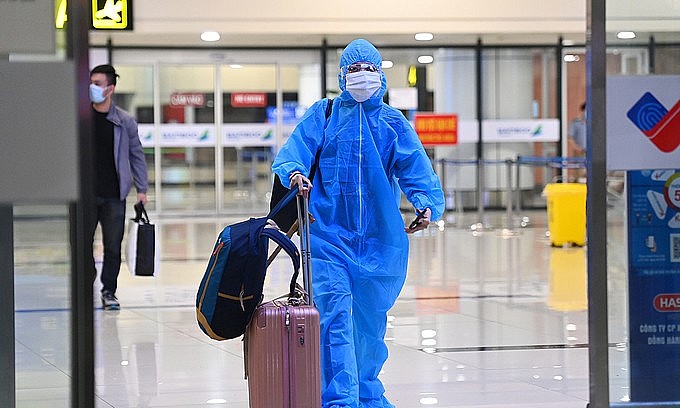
x=489, y=319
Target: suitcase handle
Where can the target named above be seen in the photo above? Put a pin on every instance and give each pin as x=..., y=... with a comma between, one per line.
x=305, y=255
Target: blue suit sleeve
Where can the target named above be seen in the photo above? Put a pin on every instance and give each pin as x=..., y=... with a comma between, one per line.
x=414, y=173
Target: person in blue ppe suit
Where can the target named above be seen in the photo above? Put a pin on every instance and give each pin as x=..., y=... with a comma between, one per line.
x=367, y=150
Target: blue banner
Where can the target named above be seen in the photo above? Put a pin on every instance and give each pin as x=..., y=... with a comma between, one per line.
x=654, y=284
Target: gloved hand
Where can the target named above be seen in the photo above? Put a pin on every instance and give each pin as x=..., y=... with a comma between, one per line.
x=303, y=183
x=420, y=222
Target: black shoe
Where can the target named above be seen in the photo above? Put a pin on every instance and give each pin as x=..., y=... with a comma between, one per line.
x=109, y=301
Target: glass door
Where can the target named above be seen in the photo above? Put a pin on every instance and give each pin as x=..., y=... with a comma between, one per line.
x=187, y=138
x=251, y=129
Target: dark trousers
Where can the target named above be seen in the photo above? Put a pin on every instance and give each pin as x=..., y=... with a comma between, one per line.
x=110, y=214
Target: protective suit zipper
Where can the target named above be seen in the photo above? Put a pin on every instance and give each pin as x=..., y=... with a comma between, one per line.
x=361, y=124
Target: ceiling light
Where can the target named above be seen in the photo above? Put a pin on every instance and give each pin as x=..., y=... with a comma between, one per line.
x=571, y=58
x=210, y=36
x=425, y=59
x=625, y=35
x=235, y=66
x=387, y=64
x=424, y=36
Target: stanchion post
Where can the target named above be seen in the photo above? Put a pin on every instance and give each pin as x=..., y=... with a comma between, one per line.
x=518, y=186
x=442, y=179
x=509, y=221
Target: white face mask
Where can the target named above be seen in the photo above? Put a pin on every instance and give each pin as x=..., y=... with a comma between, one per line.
x=97, y=94
x=363, y=84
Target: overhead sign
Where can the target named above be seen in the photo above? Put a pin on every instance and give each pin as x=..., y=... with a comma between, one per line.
x=523, y=130
x=436, y=129
x=643, y=122
x=112, y=14
x=178, y=135
x=249, y=100
x=187, y=99
x=204, y=135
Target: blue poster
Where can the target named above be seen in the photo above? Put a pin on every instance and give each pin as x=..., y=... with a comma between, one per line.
x=654, y=284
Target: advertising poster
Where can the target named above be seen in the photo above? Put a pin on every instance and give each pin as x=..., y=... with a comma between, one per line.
x=654, y=284
x=643, y=122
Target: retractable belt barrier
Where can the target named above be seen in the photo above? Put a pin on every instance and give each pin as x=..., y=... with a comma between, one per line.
x=480, y=187
x=513, y=192
x=547, y=162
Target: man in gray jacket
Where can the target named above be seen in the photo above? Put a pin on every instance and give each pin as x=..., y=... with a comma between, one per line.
x=119, y=161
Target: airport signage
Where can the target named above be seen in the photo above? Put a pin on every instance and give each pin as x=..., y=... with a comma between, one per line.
x=204, y=135
x=249, y=100
x=178, y=135
x=523, y=130
x=436, y=129
x=187, y=99
x=112, y=15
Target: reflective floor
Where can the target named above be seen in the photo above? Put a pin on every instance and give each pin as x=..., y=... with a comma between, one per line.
x=488, y=318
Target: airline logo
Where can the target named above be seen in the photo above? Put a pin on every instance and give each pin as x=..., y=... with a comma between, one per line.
x=661, y=126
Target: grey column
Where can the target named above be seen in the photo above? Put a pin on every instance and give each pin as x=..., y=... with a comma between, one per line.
x=596, y=207
x=80, y=212
x=7, y=379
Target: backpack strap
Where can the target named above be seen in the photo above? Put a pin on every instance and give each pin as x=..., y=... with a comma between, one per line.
x=284, y=242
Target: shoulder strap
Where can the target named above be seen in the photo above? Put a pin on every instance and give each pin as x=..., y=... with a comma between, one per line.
x=287, y=244
x=329, y=108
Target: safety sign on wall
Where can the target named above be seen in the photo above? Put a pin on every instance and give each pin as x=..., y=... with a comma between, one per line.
x=654, y=284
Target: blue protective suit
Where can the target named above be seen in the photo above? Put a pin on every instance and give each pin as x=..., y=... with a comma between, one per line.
x=358, y=245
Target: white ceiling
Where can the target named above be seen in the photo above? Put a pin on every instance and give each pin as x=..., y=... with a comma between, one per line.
x=306, y=23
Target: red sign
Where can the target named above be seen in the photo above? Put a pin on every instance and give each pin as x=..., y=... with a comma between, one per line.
x=249, y=100
x=667, y=302
x=187, y=99
x=435, y=129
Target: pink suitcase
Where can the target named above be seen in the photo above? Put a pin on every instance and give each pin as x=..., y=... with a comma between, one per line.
x=281, y=344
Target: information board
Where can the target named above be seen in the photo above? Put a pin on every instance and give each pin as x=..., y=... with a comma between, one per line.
x=654, y=284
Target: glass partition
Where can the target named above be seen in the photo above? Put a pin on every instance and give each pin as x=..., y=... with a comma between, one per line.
x=187, y=137
x=134, y=93
x=249, y=95
x=642, y=263
x=520, y=118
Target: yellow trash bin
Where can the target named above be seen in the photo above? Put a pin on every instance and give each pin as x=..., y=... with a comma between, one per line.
x=566, y=213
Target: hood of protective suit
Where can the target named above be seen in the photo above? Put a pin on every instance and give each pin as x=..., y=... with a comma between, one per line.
x=361, y=51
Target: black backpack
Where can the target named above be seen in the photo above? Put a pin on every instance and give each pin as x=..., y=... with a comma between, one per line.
x=233, y=282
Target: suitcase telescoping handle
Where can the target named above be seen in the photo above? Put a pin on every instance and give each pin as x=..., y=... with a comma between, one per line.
x=305, y=255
